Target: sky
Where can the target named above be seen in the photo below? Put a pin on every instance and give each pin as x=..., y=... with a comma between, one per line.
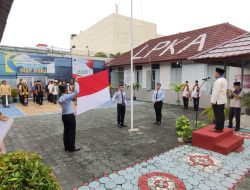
x=52, y=22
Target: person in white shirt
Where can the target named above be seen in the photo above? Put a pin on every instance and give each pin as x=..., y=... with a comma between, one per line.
x=185, y=95
x=50, y=88
x=55, y=91
x=157, y=99
x=219, y=99
x=120, y=98
x=235, y=105
x=196, y=95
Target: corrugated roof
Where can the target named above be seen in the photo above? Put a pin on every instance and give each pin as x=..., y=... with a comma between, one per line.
x=236, y=47
x=180, y=46
x=5, y=6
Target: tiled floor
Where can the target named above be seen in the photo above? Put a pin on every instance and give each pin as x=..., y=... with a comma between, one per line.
x=184, y=167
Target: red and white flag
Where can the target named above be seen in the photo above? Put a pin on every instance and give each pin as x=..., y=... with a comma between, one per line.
x=94, y=91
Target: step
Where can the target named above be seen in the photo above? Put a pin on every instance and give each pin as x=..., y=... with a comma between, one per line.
x=206, y=139
x=229, y=144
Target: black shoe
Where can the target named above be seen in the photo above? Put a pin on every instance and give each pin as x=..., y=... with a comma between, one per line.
x=159, y=123
x=122, y=125
x=76, y=149
x=119, y=125
x=236, y=129
x=155, y=122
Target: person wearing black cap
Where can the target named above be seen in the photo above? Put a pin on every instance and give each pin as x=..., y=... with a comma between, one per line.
x=68, y=117
x=235, y=105
x=219, y=99
x=120, y=98
x=157, y=99
x=196, y=95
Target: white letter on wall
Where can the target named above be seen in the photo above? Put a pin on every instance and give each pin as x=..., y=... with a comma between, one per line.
x=135, y=56
x=171, y=46
x=159, y=46
x=200, y=40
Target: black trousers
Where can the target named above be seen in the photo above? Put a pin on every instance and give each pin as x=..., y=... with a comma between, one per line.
x=158, y=108
x=34, y=97
x=50, y=97
x=185, y=101
x=20, y=99
x=69, y=133
x=55, y=99
x=196, y=103
x=4, y=100
x=121, y=109
x=234, y=112
x=40, y=98
x=219, y=116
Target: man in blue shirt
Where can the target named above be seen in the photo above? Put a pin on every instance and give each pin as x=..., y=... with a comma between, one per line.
x=120, y=98
x=157, y=99
x=68, y=117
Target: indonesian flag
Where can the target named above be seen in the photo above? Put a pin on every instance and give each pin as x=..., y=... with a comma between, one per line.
x=94, y=91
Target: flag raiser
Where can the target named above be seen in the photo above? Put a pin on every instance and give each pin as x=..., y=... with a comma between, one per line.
x=94, y=91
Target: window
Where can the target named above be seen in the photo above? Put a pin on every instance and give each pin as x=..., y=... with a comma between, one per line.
x=153, y=76
x=121, y=75
x=176, y=71
x=138, y=74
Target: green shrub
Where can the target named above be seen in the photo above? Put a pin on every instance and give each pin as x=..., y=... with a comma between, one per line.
x=209, y=114
x=14, y=93
x=182, y=124
x=246, y=100
x=25, y=171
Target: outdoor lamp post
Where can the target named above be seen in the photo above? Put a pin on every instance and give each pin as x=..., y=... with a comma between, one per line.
x=88, y=49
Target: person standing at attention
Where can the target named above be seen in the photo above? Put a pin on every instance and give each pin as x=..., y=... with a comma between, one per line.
x=157, y=98
x=185, y=95
x=5, y=92
x=219, y=99
x=68, y=117
x=120, y=98
x=196, y=94
x=235, y=105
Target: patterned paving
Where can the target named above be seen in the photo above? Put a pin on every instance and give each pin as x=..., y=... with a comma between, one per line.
x=12, y=111
x=184, y=167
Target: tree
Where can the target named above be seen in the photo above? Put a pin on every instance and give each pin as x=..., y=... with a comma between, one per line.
x=114, y=55
x=101, y=54
x=177, y=88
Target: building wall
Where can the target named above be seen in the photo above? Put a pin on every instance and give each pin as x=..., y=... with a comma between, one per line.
x=191, y=72
x=112, y=35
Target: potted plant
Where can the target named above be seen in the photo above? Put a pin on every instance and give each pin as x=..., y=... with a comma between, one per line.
x=136, y=86
x=177, y=88
x=14, y=94
x=112, y=90
x=209, y=114
x=183, y=129
x=246, y=101
x=20, y=170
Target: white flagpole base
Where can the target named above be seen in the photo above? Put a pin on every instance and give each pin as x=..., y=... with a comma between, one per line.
x=133, y=130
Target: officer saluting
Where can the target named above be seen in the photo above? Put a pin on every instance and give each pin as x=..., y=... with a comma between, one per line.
x=157, y=98
x=120, y=98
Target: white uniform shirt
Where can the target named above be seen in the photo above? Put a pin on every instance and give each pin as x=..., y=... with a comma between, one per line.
x=219, y=91
x=117, y=98
x=196, y=94
x=157, y=97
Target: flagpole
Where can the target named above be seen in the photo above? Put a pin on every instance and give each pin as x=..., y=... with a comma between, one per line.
x=132, y=71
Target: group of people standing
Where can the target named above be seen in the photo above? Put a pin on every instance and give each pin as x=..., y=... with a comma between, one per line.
x=38, y=90
x=219, y=96
x=194, y=95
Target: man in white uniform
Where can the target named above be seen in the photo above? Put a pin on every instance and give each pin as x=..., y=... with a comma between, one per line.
x=219, y=99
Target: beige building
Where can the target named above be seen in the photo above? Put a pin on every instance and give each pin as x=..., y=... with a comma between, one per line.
x=112, y=35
